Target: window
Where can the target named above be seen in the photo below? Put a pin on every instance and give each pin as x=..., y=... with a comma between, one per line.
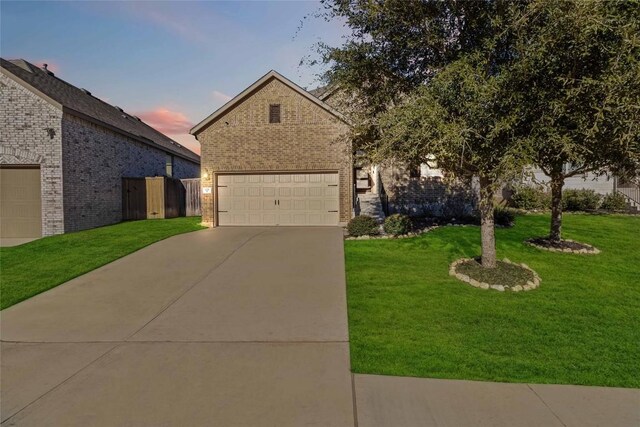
x=415, y=171
x=169, y=165
x=274, y=113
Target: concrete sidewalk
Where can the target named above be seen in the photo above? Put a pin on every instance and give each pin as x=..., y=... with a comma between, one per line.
x=385, y=401
x=228, y=327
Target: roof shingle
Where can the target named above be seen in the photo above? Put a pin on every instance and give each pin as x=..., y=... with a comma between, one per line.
x=76, y=100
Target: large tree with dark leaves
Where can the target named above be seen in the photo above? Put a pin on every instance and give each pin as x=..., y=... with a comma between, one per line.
x=432, y=78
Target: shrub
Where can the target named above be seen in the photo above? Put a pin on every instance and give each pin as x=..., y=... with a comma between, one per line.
x=363, y=225
x=504, y=216
x=528, y=198
x=397, y=224
x=614, y=202
x=580, y=200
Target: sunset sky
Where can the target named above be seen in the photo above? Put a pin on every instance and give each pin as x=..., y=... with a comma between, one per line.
x=171, y=63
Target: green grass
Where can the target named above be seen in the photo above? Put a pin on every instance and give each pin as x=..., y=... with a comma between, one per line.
x=35, y=267
x=408, y=317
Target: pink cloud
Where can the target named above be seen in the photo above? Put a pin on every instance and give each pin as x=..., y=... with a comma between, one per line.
x=166, y=121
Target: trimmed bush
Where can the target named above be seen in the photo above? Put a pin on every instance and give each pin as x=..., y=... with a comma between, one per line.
x=363, y=225
x=528, y=198
x=614, y=202
x=397, y=224
x=504, y=216
x=580, y=200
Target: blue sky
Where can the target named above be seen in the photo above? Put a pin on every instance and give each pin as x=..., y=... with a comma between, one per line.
x=172, y=63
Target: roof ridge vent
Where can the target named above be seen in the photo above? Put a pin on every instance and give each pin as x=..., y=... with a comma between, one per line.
x=46, y=70
x=118, y=108
x=85, y=91
x=137, y=118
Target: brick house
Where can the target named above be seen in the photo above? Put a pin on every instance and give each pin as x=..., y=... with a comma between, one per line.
x=63, y=154
x=277, y=154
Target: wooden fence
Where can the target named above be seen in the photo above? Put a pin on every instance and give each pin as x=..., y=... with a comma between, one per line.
x=153, y=197
x=134, y=198
x=192, y=196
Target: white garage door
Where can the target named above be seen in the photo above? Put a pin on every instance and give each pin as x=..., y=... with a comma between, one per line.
x=278, y=199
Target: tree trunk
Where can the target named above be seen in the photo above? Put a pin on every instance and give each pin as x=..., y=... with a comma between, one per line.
x=487, y=230
x=557, y=182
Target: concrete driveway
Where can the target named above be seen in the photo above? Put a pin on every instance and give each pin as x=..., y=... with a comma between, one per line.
x=230, y=327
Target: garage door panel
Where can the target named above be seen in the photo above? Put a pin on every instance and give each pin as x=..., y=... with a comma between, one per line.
x=269, y=191
x=316, y=191
x=225, y=179
x=331, y=191
x=278, y=199
x=284, y=192
x=285, y=205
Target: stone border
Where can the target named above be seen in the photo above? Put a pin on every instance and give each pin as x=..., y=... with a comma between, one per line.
x=587, y=250
x=530, y=285
x=390, y=236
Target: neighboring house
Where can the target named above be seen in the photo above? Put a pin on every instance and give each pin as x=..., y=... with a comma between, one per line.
x=64, y=152
x=601, y=184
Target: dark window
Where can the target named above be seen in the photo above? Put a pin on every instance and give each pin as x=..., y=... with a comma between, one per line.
x=274, y=113
x=169, y=165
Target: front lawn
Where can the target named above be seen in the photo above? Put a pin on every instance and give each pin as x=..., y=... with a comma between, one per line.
x=408, y=317
x=34, y=267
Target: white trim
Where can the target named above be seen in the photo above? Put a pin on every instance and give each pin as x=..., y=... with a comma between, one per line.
x=245, y=93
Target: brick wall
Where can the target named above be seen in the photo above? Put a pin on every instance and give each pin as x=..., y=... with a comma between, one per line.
x=95, y=160
x=185, y=169
x=308, y=138
x=30, y=134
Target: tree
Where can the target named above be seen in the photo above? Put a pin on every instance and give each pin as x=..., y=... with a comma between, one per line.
x=429, y=78
x=579, y=66
x=464, y=117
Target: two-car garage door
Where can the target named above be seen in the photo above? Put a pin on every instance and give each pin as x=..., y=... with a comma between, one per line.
x=278, y=199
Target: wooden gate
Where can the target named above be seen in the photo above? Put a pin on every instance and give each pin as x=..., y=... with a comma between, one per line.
x=152, y=198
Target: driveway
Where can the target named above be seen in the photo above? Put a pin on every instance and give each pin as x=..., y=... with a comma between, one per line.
x=231, y=326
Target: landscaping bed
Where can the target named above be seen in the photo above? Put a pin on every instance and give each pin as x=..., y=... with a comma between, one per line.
x=562, y=246
x=506, y=276
x=408, y=316
x=35, y=267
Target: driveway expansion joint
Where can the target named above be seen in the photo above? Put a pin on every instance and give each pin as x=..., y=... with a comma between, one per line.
x=547, y=406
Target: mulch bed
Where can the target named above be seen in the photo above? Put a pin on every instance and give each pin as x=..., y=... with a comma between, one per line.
x=562, y=246
x=506, y=276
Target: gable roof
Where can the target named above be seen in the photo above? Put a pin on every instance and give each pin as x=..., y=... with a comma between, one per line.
x=323, y=92
x=80, y=103
x=257, y=84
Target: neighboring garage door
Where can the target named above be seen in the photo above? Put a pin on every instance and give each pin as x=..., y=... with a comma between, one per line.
x=20, y=205
x=278, y=199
